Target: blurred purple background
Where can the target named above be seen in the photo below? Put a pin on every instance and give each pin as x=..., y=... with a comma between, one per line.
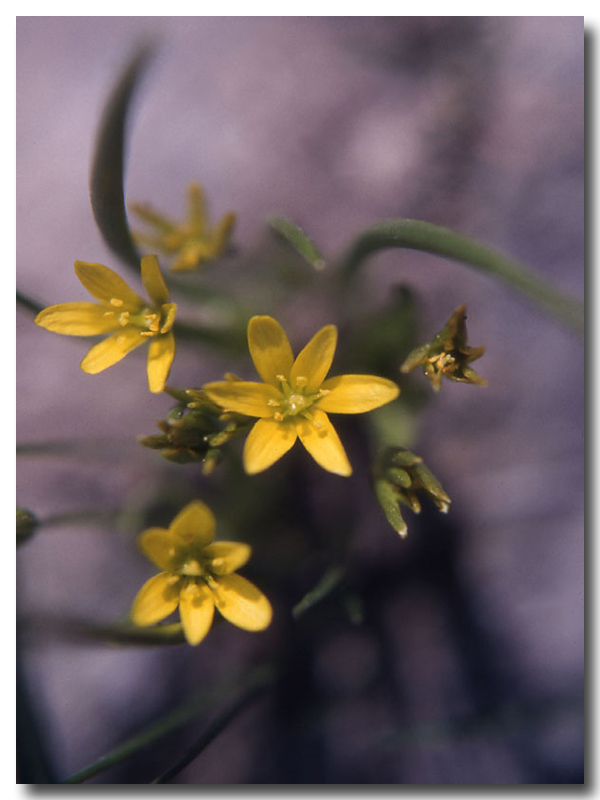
x=471, y=122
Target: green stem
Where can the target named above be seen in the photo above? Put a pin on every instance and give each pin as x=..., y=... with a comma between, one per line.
x=429, y=238
x=228, y=341
x=28, y=304
x=193, y=706
x=81, y=517
x=216, y=727
x=94, y=448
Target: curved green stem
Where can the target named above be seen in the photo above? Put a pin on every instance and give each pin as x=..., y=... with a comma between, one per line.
x=417, y=235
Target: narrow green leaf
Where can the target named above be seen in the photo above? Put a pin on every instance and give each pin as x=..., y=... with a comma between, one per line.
x=330, y=580
x=107, y=179
x=295, y=236
x=417, y=235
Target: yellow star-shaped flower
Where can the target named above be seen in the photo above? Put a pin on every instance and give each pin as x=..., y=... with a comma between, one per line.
x=190, y=243
x=295, y=397
x=198, y=576
x=123, y=314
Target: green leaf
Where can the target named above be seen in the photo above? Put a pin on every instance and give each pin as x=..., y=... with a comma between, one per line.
x=417, y=235
x=107, y=180
x=295, y=236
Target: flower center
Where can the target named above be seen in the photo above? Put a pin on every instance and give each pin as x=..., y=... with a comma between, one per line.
x=150, y=321
x=294, y=402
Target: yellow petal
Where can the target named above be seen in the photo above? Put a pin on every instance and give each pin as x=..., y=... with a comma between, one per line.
x=77, y=319
x=159, y=545
x=157, y=598
x=222, y=233
x=354, y=394
x=240, y=602
x=321, y=440
x=106, y=285
x=160, y=358
x=266, y=443
x=196, y=209
x=270, y=349
x=194, y=523
x=111, y=350
x=227, y=557
x=314, y=361
x=197, y=608
x=153, y=280
x=168, y=312
x=244, y=397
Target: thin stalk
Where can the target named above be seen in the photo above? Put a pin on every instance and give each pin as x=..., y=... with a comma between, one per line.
x=213, y=730
x=28, y=304
x=193, y=706
x=426, y=237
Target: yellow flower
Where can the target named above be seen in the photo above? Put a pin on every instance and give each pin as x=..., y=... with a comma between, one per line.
x=191, y=242
x=294, y=399
x=123, y=314
x=198, y=575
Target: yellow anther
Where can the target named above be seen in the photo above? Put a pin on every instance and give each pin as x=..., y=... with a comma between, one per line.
x=192, y=567
x=218, y=562
x=124, y=318
x=192, y=589
x=116, y=301
x=278, y=416
x=281, y=378
x=273, y=403
x=301, y=381
x=152, y=321
x=171, y=580
x=146, y=333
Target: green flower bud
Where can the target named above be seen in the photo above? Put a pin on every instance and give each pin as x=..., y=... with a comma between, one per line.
x=399, y=485
x=26, y=525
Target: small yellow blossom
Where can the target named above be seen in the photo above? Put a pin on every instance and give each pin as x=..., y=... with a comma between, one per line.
x=123, y=314
x=294, y=399
x=198, y=575
x=191, y=242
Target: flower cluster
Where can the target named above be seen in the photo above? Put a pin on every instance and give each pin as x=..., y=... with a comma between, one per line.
x=291, y=402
